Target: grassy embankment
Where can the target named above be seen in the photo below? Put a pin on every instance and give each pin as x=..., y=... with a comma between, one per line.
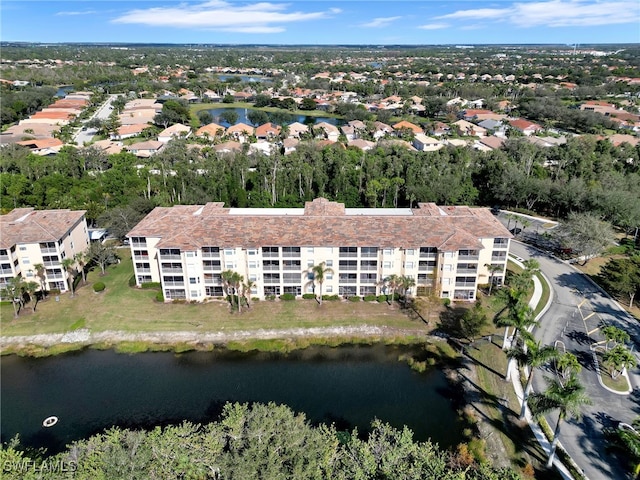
x=130, y=310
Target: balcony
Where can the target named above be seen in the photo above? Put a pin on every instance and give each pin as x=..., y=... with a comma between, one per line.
x=52, y=264
x=290, y=254
x=472, y=271
x=55, y=276
x=348, y=280
x=468, y=257
x=498, y=258
x=271, y=280
x=6, y=271
x=367, y=255
x=141, y=258
x=212, y=268
x=466, y=284
x=169, y=256
x=143, y=270
x=210, y=254
x=271, y=268
x=292, y=268
x=173, y=284
x=368, y=268
x=368, y=280
x=135, y=244
x=271, y=254
x=348, y=254
x=4, y=258
x=170, y=270
x=48, y=250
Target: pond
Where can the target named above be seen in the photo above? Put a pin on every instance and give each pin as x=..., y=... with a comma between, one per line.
x=275, y=117
x=92, y=390
x=244, y=78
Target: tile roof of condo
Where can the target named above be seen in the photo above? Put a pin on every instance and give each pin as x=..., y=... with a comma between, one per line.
x=321, y=222
x=26, y=225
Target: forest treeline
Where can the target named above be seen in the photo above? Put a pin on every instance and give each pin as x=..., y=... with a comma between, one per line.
x=584, y=175
x=260, y=441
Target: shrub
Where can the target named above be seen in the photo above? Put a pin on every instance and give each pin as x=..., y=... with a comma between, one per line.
x=287, y=297
x=98, y=287
x=382, y=298
x=370, y=298
x=159, y=297
x=132, y=281
x=446, y=302
x=331, y=298
x=270, y=297
x=150, y=285
x=355, y=298
x=309, y=296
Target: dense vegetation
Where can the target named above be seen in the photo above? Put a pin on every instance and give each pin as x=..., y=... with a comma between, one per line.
x=585, y=175
x=259, y=441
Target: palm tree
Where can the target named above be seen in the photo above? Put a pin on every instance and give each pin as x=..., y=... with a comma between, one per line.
x=567, y=366
x=493, y=269
x=41, y=273
x=227, y=278
x=319, y=271
x=617, y=359
x=237, y=281
x=392, y=282
x=82, y=259
x=405, y=284
x=566, y=398
x=532, y=355
x=246, y=287
x=514, y=313
x=30, y=288
x=614, y=335
x=69, y=265
x=13, y=290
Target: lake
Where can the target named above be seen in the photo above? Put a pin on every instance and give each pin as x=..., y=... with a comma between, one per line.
x=275, y=117
x=92, y=390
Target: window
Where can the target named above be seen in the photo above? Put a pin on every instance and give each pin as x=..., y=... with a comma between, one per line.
x=387, y=265
x=408, y=265
x=190, y=254
x=23, y=248
x=26, y=261
x=329, y=263
x=213, y=291
x=230, y=265
x=229, y=251
x=500, y=242
x=369, y=265
x=30, y=273
x=290, y=252
x=368, y=277
x=210, y=251
x=310, y=262
x=310, y=250
x=253, y=277
x=253, y=264
x=194, y=293
x=348, y=277
x=271, y=278
x=409, y=252
x=448, y=254
x=291, y=265
x=369, y=252
x=71, y=245
x=329, y=288
x=296, y=290
x=292, y=277
x=446, y=281
x=328, y=276
x=270, y=251
x=388, y=251
x=348, y=264
x=194, y=280
x=348, y=251
x=270, y=265
x=445, y=294
x=447, y=267
x=252, y=251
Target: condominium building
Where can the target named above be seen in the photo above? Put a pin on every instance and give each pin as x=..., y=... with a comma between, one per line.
x=30, y=237
x=446, y=250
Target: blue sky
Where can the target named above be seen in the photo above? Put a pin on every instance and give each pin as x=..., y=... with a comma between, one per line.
x=378, y=22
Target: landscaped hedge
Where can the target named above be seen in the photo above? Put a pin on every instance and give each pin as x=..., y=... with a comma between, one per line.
x=331, y=298
x=150, y=285
x=309, y=296
x=370, y=298
x=98, y=287
x=159, y=297
x=132, y=281
x=287, y=297
x=382, y=298
x=355, y=298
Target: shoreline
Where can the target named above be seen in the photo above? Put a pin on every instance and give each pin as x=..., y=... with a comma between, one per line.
x=36, y=345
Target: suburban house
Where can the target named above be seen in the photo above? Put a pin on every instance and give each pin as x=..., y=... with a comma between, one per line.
x=127, y=131
x=241, y=132
x=328, y=131
x=525, y=126
x=212, y=130
x=228, y=147
x=362, y=144
x=465, y=128
x=174, y=131
x=41, y=237
x=446, y=250
x=267, y=131
x=296, y=129
x=145, y=149
x=426, y=144
x=404, y=126
x=43, y=146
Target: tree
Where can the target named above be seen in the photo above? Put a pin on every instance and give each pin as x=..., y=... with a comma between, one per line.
x=405, y=284
x=586, y=234
x=82, y=260
x=237, y=281
x=567, y=365
x=13, y=291
x=391, y=282
x=246, y=291
x=41, y=273
x=29, y=291
x=257, y=117
x=229, y=116
x=617, y=359
x=473, y=321
x=567, y=399
x=103, y=255
x=308, y=104
x=532, y=355
x=493, y=269
x=205, y=117
x=614, y=335
x=227, y=278
x=622, y=276
x=319, y=273
x=69, y=264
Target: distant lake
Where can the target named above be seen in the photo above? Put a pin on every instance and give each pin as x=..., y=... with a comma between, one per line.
x=244, y=78
x=63, y=91
x=275, y=117
x=92, y=390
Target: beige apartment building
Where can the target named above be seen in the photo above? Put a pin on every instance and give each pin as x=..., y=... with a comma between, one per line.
x=30, y=237
x=445, y=249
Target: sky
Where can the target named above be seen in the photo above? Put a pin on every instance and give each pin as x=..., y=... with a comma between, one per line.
x=322, y=22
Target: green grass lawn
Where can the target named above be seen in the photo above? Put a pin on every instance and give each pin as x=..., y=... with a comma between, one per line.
x=128, y=309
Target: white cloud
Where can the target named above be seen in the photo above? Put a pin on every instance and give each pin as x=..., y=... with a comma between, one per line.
x=557, y=13
x=261, y=17
x=86, y=12
x=380, y=22
x=434, y=26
